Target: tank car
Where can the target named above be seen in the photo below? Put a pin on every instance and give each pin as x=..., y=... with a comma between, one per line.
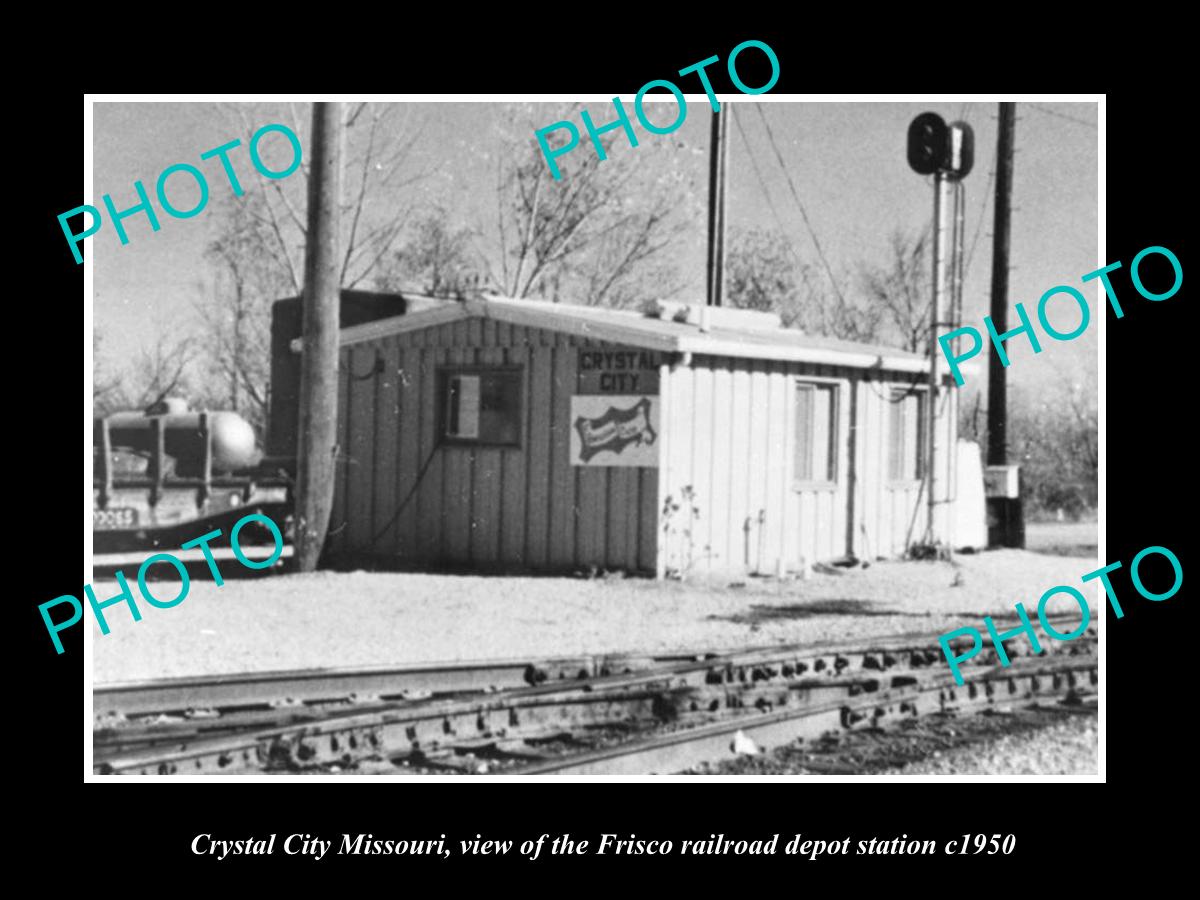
x=167, y=475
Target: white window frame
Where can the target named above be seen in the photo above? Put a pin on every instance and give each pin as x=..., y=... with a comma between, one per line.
x=839, y=413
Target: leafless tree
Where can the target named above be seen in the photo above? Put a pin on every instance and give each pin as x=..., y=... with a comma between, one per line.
x=598, y=234
x=436, y=260
x=235, y=332
x=258, y=256
x=108, y=387
x=379, y=139
x=1053, y=436
x=161, y=371
x=903, y=289
x=765, y=272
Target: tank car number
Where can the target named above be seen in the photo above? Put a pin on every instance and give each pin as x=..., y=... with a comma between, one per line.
x=114, y=518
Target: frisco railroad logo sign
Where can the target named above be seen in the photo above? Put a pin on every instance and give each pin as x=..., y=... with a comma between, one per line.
x=613, y=431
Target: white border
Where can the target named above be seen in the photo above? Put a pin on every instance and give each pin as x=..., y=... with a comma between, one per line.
x=90, y=99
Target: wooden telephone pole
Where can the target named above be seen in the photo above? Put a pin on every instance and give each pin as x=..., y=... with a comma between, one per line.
x=1006, y=521
x=717, y=160
x=997, y=454
x=319, y=359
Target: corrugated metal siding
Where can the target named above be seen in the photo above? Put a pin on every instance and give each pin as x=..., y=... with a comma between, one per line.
x=485, y=507
x=730, y=438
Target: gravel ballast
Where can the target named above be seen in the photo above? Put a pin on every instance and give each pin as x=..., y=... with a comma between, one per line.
x=1067, y=748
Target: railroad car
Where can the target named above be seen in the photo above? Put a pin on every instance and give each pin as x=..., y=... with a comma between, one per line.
x=167, y=475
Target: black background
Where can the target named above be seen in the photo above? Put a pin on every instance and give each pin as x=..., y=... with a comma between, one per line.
x=1147, y=445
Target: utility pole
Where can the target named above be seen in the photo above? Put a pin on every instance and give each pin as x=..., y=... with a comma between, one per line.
x=997, y=454
x=717, y=160
x=1006, y=525
x=319, y=359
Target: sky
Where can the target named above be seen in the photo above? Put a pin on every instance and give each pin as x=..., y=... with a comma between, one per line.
x=846, y=161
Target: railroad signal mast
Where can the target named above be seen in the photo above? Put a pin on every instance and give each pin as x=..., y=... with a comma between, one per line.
x=947, y=152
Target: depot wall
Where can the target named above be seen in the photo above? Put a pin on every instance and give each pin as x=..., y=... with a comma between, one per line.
x=729, y=441
x=707, y=486
x=405, y=499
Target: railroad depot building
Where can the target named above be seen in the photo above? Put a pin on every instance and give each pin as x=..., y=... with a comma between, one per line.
x=498, y=434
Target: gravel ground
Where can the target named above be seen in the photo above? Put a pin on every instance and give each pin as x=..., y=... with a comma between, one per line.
x=1048, y=740
x=361, y=618
x=1067, y=748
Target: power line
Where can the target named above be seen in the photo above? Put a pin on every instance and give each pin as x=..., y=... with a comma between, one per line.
x=767, y=195
x=987, y=193
x=1051, y=112
x=796, y=196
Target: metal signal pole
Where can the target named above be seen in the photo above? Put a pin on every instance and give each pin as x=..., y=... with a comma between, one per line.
x=947, y=152
x=940, y=184
x=319, y=359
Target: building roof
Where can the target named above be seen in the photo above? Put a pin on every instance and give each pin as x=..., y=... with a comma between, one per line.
x=717, y=332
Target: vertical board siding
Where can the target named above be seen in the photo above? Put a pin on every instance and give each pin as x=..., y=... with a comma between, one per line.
x=429, y=517
x=513, y=475
x=868, y=526
x=758, y=501
x=562, y=473
x=359, y=492
x=737, y=547
x=386, y=467
x=779, y=441
x=676, y=467
x=720, y=505
x=408, y=425
x=488, y=464
x=538, y=452
x=700, y=548
x=336, y=541
x=484, y=507
x=726, y=430
x=456, y=478
x=730, y=434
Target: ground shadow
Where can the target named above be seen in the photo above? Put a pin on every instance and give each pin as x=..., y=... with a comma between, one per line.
x=762, y=612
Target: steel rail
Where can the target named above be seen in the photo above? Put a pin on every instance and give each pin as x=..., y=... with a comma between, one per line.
x=680, y=750
x=258, y=690
x=183, y=696
x=761, y=680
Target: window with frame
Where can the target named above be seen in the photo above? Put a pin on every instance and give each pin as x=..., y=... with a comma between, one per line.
x=906, y=435
x=815, y=462
x=482, y=406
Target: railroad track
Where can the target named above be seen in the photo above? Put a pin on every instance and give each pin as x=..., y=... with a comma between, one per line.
x=222, y=695
x=585, y=715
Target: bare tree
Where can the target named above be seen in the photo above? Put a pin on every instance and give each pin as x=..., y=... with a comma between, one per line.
x=258, y=255
x=379, y=138
x=1053, y=436
x=108, y=387
x=235, y=327
x=436, y=260
x=765, y=272
x=598, y=234
x=903, y=288
x=161, y=371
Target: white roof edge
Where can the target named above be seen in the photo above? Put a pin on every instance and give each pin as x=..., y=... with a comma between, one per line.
x=539, y=314
x=817, y=355
x=518, y=313
x=381, y=328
